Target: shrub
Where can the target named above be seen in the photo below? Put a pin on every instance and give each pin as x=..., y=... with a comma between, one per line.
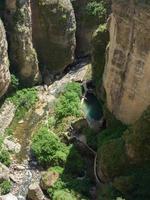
x=4, y=154
x=24, y=100
x=5, y=157
x=63, y=195
x=68, y=103
x=76, y=167
x=14, y=81
x=48, y=149
x=5, y=187
x=97, y=10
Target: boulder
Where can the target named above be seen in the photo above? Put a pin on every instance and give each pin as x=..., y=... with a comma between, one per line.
x=4, y=172
x=54, y=27
x=35, y=192
x=48, y=179
x=12, y=146
x=8, y=197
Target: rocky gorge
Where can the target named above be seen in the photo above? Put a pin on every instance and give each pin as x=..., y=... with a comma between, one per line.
x=75, y=100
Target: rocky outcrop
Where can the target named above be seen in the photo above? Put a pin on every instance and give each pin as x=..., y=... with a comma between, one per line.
x=35, y=192
x=22, y=54
x=7, y=113
x=88, y=18
x=8, y=197
x=4, y=62
x=127, y=72
x=54, y=29
x=48, y=179
x=4, y=173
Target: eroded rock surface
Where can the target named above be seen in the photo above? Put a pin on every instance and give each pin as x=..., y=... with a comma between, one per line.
x=127, y=72
x=22, y=54
x=4, y=62
x=54, y=33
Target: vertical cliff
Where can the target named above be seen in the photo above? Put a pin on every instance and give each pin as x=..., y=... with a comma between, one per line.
x=54, y=29
x=127, y=73
x=4, y=62
x=23, y=56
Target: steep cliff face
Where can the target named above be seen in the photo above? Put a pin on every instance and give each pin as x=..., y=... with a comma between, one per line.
x=89, y=14
x=127, y=73
x=4, y=62
x=54, y=29
x=22, y=54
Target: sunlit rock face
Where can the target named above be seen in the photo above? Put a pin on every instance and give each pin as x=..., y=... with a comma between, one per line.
x=127, y=71
x=4, y=62
x=54, y=27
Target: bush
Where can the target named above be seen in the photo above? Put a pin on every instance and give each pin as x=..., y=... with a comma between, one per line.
x=78, y=189
x=97, y=10
x=24, y=100
x=4, y=154
x=68, y=103
x=63, y=195
x=5, y=157
x=5, y=187
x=48, y=149
x=14, y=81
x=76, y=167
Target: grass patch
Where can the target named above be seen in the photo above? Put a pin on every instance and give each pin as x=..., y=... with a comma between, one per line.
x=24, y=100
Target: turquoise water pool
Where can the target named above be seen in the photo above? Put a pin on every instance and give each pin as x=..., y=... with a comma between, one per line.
x=92, y=107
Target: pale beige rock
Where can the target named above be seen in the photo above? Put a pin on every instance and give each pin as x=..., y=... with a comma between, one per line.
x=48, y=179
x=4, y=62
x=4, y=172
x=127, y=72
x=35, y=192
x=8, y=197
x=7, y=113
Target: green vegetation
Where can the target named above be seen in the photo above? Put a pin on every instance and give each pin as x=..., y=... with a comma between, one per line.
x=4, y=154
x=99, y=42
x=68, y=103
x=14, y=82
x=96, y=9
x=9, y=131
x=5, y=187
x=48, y=148
x=5, y=157
x=24, y=100
x=51, y=151
x=78, y=189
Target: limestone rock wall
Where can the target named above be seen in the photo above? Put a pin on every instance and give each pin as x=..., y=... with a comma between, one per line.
x=127, y=72
x=86, y=25
x=22, y=54
x=54, y=29
x=4, y=62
